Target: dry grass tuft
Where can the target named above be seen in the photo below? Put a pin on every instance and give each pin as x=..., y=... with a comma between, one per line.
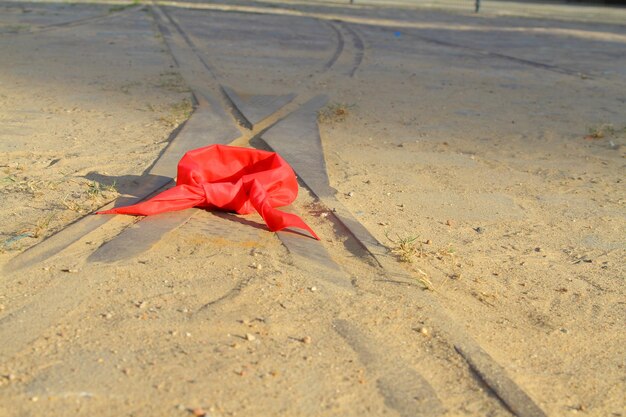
x=334, y=113
x=606, y=130
x=405, y=248
x=179, y=112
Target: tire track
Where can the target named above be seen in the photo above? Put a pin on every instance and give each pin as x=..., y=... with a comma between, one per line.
x=338, y=49
x=358, y=45
x=76, y=22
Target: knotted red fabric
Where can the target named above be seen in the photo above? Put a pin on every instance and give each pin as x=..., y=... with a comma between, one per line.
x=229, y=178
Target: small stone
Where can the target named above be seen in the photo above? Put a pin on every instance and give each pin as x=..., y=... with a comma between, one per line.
x=180, y=407
x=306, y=340
x=2, y=307
x=187, y=334
x=69, y=270
x=350, y=194
x=479, y=230
x=250, y=337
x=198, y=412
x=428, y=242
x=140, y=304
x=564, y=330
x=537, y=249
x=424, y=331
x=259, y=266
x=449, y=222
x=107, y=315
x=313, y=289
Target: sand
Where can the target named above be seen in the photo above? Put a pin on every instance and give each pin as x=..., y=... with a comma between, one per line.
x=493, y=145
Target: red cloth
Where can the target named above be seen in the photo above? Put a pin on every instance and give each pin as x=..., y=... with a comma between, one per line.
x=229, y=178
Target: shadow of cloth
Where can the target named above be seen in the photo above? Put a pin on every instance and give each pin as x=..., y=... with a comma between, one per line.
x=238, y=218
x=133, y=188
x=241, y=219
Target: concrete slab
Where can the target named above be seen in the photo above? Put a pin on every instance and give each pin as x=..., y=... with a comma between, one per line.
x=256, y=108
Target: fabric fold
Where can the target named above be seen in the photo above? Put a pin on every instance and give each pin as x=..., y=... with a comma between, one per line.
x=228, y=178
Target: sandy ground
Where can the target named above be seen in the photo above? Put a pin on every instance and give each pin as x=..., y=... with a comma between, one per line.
x=495, y=144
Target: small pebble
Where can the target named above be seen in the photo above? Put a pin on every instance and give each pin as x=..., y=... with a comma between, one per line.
x=350, y=194
x=69, y=270
x=424, y=331
x=198, y=412
x=428, y=242
x=448, y=222
x=313, y=289
x=306, y=340
x=2, y=307
x=250, y=337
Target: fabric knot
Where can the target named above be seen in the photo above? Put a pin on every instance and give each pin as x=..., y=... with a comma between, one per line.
x=223, y=195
